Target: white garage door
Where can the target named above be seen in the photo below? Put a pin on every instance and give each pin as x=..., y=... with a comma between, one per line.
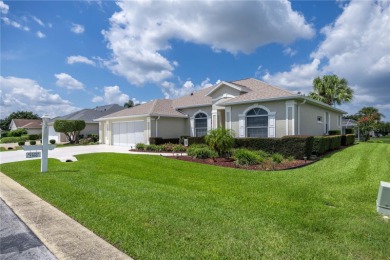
x=128, y=133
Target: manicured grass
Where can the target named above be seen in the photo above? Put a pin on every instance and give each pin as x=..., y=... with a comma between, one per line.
x=383, y=139
x=154, y=207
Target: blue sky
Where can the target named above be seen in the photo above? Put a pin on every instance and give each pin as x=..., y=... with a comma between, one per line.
x=61, y=56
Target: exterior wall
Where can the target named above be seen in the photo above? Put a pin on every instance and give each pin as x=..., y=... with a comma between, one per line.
x=279, y=107
x=12, y=126
x=168, y=127
x=34, y=131
x=309, y=125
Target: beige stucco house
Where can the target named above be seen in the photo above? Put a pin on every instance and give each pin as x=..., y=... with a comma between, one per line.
x=249, y=107
x=33, y=126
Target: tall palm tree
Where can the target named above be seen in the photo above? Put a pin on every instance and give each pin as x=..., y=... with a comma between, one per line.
x=371, y=112
x=331, y=90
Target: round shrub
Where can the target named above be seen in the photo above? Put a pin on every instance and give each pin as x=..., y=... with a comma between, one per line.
x=201, y=152
x=52, y=141
x=277, y=158
x=140, y=146
x=33, y=142
x=179, y=148
x=262, y=153
x=20, y=143
x=245, y=157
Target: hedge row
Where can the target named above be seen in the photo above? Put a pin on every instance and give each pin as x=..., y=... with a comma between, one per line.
x=348, y=139
x=160, y=140
x=296, y=146
x=322, y=144
x=7, y=140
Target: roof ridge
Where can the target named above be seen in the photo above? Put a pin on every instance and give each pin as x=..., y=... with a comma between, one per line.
x=153, y=106
x=268, y=84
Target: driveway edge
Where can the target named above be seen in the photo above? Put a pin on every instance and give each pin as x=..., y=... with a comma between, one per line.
x=62, y=235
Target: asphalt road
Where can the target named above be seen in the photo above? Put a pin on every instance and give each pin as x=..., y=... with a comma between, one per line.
x=17, y=241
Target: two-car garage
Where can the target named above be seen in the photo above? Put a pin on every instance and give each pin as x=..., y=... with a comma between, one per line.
x=128, y=133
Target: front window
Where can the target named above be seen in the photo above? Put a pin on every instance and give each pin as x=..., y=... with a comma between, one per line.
x=257, y=123
x=200, y=124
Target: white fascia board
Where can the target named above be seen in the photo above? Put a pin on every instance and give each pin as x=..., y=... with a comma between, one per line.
x=162, y=115
x=226, y=84
x=119, y=117
x=204, y=105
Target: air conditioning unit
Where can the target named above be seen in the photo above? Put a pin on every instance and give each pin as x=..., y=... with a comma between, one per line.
x=383, y=201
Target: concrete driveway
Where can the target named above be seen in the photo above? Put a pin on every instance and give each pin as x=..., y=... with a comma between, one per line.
x=67, y=153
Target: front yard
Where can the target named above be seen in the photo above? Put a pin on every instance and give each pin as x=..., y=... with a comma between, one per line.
x=155, y=207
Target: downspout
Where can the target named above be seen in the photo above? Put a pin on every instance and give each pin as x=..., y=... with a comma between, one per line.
x=157, y=126
x=299, y=116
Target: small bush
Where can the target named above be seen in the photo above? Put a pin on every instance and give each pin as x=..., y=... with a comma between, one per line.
x=221, y=140
x=277, y=158
x=140, y=146
x=33, y=142
x=179, y=148
x=94, y=138
x=349, y=131
x=33, y=137
x=52, y=141
x=334, y=132
x=245, y=157
x=17, y=133
x=263, y=154
x=201, y=152
x=20, y=143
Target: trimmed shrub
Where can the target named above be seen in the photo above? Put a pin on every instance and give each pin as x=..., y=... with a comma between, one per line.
x=94, y=138
x=160, y=140
x=7, y=140
x=322, y=144
x=140, y=146
x=52, y=141
x=71, y=129
x=153, y=148
x=196, y=140
x=245, y=157
x=349, y=131
x=347, y=140
x=17, y=133
x=33, y=142
x=334, y=132
x=33, y=137
x=221, y=140
x=201, y=152
x=335, y=142
x=5, y=134
x=179, y=148
x=20, y=143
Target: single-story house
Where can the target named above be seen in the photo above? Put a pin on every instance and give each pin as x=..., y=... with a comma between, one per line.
x=33, y=126
x=349, y=124
x=88, y=115
x=249, y=107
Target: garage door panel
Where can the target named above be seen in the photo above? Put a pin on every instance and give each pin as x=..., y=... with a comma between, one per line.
x=128, y=133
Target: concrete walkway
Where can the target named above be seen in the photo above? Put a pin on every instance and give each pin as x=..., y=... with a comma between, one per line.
x=63, y=236
x=65, y=153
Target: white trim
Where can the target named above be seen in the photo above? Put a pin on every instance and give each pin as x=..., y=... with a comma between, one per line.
x=224, y=83
x=228, y=119
x=271, y=121
x=290, y=104
x=192, y=121
x=148, y=129
x=214, y=119
x=222, y=97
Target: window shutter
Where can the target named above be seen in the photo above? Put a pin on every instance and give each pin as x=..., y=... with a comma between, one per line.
x=192, y=125
x=241, y=125
x=271, y=125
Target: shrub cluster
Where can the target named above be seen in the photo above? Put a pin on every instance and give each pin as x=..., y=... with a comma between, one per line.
x=296, y=146
x=17, y=133
x=201, y=152
x=348, y=139
x=6, y=140
x=245, y=157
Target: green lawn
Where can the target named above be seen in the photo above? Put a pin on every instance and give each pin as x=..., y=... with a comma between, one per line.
x=383, y=139
x=154, y=207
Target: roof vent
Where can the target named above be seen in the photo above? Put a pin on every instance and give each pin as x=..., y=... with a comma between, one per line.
x=192, y=94
x=383, y=201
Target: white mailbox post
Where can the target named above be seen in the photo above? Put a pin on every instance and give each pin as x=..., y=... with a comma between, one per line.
x=45, y=147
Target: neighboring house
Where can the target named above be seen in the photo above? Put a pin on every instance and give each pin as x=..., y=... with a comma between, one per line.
x=349, y=124
x=88, y=115
x=249, y=107
x=33, y=126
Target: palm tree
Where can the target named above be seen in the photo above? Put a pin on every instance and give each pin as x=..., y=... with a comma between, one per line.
x=331, y=90
x=129, y=104
x=371, y=112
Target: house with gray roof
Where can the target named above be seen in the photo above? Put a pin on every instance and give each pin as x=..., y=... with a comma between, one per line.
x=33, y=126
x=249, y=107
x=88, y=115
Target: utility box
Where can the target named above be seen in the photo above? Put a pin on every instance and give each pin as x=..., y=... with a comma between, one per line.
x=383, y=201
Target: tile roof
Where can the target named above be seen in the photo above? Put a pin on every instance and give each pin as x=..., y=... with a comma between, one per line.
x=89, y=115
x=157, y=107
x=28, y=123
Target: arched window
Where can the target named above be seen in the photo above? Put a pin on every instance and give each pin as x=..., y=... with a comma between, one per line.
x=257, y=123
x=200, y=124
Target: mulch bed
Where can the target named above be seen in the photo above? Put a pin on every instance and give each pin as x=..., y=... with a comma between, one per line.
x=228, y=162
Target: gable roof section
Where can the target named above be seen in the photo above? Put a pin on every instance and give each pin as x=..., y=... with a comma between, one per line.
x=89, y=115
x=196, y=99
x=157, y=107
x=28, y=123
x=228, y=84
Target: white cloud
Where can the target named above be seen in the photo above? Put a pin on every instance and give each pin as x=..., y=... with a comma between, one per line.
x=113, y=95
x=40, y=34
x=80, y=59
x=3, y=7
x=141, y=30
x=66, y=81
x=289, y=51
x=170, y=90
x=77, y=28
x=12, y=23
x=356, y=47
x=26, y=94
x=38, y=21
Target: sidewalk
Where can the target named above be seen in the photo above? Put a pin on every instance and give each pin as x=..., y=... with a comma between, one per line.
x=63, y=236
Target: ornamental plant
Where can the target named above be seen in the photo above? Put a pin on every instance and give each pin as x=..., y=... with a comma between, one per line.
x=221, y=140
x=366, y=124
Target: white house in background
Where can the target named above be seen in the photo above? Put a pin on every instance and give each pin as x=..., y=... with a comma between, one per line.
x=33, y=126
x=88, y=115
x=249, y=107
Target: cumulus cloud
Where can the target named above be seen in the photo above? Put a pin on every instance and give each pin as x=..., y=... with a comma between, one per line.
x=12, y=23
x=66, y=81
x=3, y=7
x=79, y=59
x=113, y=95
x=77, y=28
x=40, y=34
x=170, y=90
x=141, y=30
x=356, y=47
x=26, y=94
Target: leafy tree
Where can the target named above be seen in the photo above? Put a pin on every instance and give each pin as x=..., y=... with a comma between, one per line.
x=4, y=123
x=366, y=124
x=128, y=104
x=71, y=129
x=331, y=90
x=221, y=140
x=370, y=112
